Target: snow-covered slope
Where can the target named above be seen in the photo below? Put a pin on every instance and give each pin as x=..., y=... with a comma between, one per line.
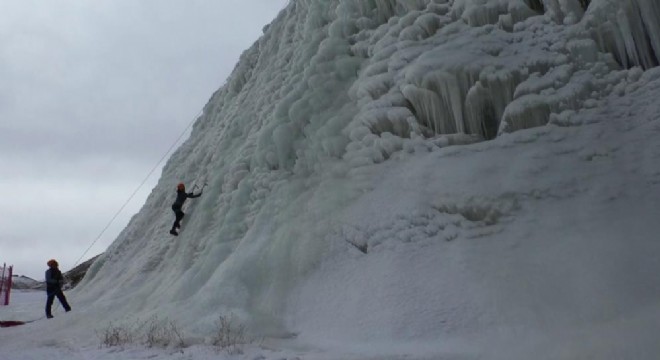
x=24, y=282
x=417, y=177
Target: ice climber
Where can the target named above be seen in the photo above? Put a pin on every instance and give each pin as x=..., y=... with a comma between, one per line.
x=181, y=197
x=54, y=282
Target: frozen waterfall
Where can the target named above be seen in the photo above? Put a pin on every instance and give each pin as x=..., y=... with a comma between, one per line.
x=307, y=151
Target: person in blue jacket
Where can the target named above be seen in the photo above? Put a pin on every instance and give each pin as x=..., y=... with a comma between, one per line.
x=54, y=282
x=181, y=197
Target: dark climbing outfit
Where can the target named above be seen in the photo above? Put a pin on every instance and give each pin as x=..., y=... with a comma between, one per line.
x=54, y=281
x=181, y=197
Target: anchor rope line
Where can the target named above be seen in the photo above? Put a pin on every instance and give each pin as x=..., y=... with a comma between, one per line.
x=183, y=133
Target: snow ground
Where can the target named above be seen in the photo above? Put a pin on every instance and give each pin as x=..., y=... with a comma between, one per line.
x=344, y=221
x=20, y=343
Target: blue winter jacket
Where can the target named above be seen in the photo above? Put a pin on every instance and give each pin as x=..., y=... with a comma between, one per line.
x=54, y=280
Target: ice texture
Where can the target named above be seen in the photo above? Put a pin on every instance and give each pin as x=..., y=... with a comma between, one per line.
x=334, y=115
x=627, y=29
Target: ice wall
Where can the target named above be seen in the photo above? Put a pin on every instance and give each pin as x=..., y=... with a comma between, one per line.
x=332, y=88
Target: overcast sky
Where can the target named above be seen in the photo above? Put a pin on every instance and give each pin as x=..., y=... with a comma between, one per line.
x=92, y=95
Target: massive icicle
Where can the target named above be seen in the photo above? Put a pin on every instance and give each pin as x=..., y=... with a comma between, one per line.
x=628, y=29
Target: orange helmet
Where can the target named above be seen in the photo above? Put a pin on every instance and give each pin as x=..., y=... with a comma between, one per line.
x=52, y=263
x=181, y=186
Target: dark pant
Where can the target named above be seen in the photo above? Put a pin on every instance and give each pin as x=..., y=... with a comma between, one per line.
x=51, y=298
x=178, y=216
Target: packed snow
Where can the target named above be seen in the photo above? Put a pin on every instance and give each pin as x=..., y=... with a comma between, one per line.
x=427, y=179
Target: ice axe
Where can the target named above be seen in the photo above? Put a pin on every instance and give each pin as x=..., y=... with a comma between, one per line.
x=201, y=189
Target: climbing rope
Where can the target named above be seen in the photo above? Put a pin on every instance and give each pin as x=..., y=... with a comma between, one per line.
x=183, y=133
